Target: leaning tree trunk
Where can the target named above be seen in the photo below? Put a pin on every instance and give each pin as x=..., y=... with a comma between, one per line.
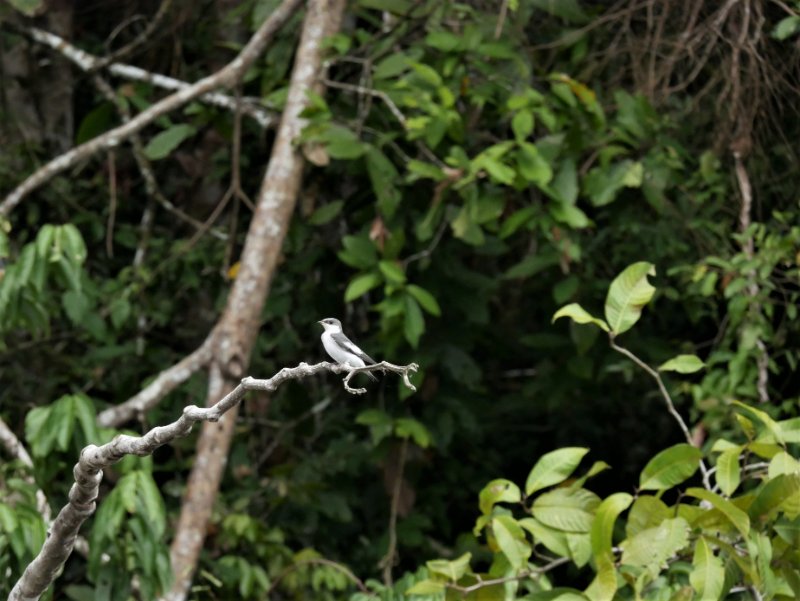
x=235, y=334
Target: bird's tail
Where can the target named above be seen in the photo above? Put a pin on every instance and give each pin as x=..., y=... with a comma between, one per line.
x=371, y=375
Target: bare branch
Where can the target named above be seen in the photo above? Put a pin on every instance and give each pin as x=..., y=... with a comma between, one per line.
x=402, y=370
x=667, y=400
x=42, y=571
x=17, y=450
x=228, y=75
x=534, y=573
x=167, y=381
x=90, y=63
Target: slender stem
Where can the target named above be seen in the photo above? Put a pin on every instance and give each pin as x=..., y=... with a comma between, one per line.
x=667, y=399
x=535, y=572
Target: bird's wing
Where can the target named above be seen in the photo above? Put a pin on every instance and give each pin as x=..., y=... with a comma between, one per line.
x=343, y=341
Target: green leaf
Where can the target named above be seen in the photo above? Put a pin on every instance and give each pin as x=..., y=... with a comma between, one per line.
x=168, y=140
x=392, y=271
x=498, y=491
x=426, y=587
x=406, y=427
x=569, y=10
x=452, y=570
x=531, y=265
x=773, y=494
x=360, y=285
x=326, y=212
x=511, y=540
x=443, y=40
x=76, y=304
x=554, y=540
x=532, y=166
x=773, y=427
x=120, y=311
x=728, y=474
x=628, y=294
x=379, y=422
x=358, y=252
x=782, y=464
x=425, y=299
x=652, y=548
x=647, y=512
x=580, y=315
x=553, y=467
x=734, y=515
x=413, y=322
x=786, y=27
x=604, y=585
x=571, y=510
x=670, y=467
x=603, y=524
x=522, y=125
x=342, y=143
x=708, y=575
x=683, y=364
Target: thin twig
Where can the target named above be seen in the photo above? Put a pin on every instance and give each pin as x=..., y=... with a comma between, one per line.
x=371, y=92
x=16, y=449
x=139, y=40
x=325, y=562
x=389, y=559
x=535, y=572
x=667, y=399
x=112, y=205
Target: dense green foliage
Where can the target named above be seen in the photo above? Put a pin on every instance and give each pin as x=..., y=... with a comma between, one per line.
x=470, y=177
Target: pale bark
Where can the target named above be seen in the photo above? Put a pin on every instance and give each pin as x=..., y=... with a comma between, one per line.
x=17, y=450
x=228, y=75
x=237, y=329
x=88, y=472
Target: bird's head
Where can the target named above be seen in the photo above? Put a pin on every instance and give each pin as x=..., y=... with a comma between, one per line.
x=331, y=324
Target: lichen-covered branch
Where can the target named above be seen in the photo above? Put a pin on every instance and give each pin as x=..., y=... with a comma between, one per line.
x=227, y=76
x=88, y=472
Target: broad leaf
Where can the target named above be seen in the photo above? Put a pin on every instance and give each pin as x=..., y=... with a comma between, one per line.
x=728, y=472
x=683, y=364
x=670, y=467
x=652, y=548
x=708, y=575
x=452, y=570
x=511, y=540
x=360, y=285
x=168, y=140
x=553, y=467
x=571, y=510
x=498, y=491
x=580, y=315
x=603, y=525
x=734, y=515
x=628, y=294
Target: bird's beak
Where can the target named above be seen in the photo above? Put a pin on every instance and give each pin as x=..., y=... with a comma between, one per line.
x=320, y=322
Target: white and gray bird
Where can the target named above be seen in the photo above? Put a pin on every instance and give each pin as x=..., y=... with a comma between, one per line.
x=341, y=348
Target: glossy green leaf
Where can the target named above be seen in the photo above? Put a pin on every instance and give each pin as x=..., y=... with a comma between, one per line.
x=426, y=587
x=733, y=514
x=553, y=467
x=360, y=285
x=728, y=474
x=670, y=467
x=498, y=491
x=571, y=510
x=708, y=575
x=782, y=464
x=628, y=294
x=163, y=143
x=580, y=315
x=646, y=512
x=511, y=540
x=603, y=524
x=425, y=299
x=683, y=364
x=604, y=585
x=773, y=494
x=554, y=540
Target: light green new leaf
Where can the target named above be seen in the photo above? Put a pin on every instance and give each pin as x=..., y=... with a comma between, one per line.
x=553, y=468
x=452, y=570
x=554, y=540
x=782, y=464
x=498, y=491
x=652, y=548
x=774, y=432
x=683, y=364
x=603, y=524
x=647, y=512
x=567, y=509
x=735, y=516
x=511, y=540
x=168, y=140
x=670, y=467
x=708, y=576
x=360, y=285
x=604, y=585
x=628, y=294
x=425, y=299
x=728, y=472
x=426, y=587
x=580, y=315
